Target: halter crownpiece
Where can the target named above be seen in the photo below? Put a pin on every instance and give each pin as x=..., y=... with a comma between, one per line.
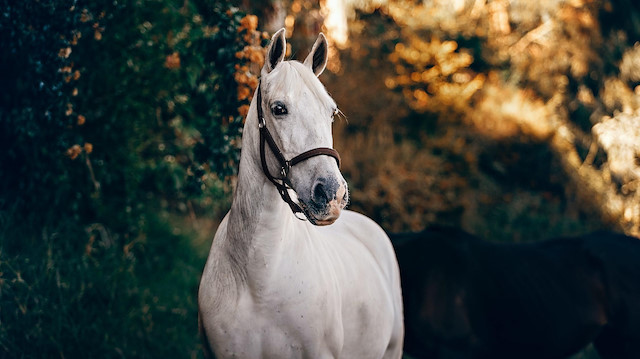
x=283, y=183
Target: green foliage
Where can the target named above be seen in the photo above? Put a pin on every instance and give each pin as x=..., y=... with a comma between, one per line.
x=137, y=95
x=33, y=128
x=166, y=112
x=112, y=115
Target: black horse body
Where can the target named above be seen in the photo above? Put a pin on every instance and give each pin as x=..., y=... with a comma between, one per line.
x=469, y=298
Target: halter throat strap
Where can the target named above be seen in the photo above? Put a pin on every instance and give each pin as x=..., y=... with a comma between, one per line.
x=283, y=183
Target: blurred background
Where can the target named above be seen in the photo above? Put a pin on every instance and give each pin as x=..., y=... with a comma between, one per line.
x=120, y=128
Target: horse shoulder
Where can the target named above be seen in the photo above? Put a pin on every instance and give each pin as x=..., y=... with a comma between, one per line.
x=218, y=284
x=223, y=302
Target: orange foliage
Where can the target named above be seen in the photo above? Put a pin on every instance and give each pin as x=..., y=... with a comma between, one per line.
x=74, y=151
x=172, y=61
x=482, y=76
x=252, y=55
x=433, y=75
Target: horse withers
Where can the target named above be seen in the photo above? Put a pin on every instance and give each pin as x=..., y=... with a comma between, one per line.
x=276, y=286
x=468, y=298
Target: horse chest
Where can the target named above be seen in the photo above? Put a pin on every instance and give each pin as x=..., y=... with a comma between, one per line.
x=299, y=324
x=305, y=308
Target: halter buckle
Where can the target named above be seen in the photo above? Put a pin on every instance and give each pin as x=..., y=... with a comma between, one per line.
x=261, y=122
x=284, y=170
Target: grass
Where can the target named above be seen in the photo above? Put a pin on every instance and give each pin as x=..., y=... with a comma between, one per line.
x=104, y=297
x=95, y=296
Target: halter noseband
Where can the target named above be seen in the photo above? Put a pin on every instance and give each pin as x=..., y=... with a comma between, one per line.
x=284, y=183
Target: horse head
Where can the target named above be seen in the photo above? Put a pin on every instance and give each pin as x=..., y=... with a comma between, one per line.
x=295, y=115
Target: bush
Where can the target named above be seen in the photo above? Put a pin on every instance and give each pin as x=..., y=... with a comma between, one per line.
x=113, y=115
x=111, y=105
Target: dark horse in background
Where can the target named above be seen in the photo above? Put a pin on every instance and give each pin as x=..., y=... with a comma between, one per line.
x=468, y=298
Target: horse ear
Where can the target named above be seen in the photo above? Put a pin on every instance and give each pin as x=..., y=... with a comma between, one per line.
x=317, y=58
x=276, y=51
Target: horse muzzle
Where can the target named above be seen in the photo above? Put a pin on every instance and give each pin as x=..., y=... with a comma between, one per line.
x=328, y=199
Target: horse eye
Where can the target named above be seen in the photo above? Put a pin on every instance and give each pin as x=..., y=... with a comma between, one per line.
x=279, y=109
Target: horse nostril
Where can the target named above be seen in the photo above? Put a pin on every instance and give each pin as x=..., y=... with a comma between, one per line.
x=320, y=195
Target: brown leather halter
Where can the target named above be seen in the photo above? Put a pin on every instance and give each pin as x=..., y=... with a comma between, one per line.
x=284, y=183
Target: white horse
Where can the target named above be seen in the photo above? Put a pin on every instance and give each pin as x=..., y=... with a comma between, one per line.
x=275, y=286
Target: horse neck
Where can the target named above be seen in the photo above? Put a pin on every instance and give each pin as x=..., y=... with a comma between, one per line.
x=259, y=219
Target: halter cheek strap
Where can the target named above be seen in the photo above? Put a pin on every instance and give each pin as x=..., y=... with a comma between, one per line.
x=283, y=183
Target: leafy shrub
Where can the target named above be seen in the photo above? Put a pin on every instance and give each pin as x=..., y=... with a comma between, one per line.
x=113, y=115
x=136, y=94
